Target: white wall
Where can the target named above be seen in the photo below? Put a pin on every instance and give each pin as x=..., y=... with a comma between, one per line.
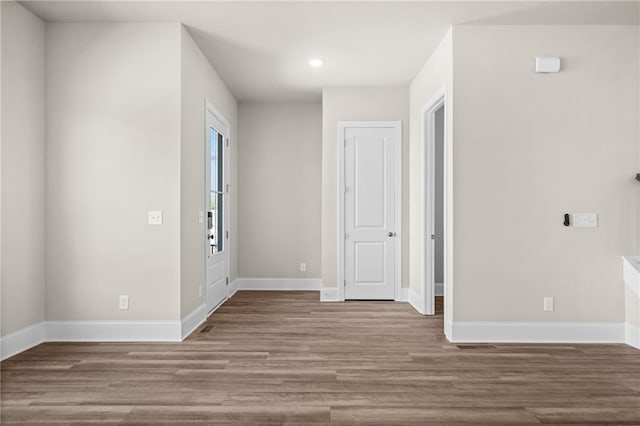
x=358, y=104
x=23, y=156
x=434, y=78
x=279, y=217
x=199, y=81
x=530, y=147
x=113, y=154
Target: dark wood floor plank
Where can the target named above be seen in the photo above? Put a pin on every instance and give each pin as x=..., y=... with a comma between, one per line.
x=281, y=358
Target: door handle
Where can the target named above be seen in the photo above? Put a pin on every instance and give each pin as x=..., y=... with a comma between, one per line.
x=391, y=234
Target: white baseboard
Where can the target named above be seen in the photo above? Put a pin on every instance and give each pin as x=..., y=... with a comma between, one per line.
x=404, y=295
x=279, y=284
x=417, y=301
x=232, y=289
x=439, y=289
x=330, y=294
x=114, y=331
x=632, y=335
x=193, y=320
x=21, y=340
x=536, y=332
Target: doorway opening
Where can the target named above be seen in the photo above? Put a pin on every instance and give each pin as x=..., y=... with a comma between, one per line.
x=435, y=206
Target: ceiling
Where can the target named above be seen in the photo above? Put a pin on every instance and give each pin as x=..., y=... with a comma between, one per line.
x=261, y=49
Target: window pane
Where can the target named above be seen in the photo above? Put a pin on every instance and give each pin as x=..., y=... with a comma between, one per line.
x=215, y=198
x=220, y=189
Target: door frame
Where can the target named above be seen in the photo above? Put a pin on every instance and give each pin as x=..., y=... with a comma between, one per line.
x=428, y=139
x=397, y=126
x=209, y=108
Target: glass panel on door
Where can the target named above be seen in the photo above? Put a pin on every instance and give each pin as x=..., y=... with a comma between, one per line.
x=216, y=190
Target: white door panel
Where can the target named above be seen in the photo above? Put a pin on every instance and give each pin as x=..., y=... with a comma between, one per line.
x=369, y=215
x=217, y=207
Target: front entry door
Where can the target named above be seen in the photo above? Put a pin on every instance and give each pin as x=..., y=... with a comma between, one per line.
x=217, y=207
x=369, y=212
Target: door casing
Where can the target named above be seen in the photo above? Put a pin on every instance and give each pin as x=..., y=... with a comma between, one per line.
x=429, y=141
x=397, y=126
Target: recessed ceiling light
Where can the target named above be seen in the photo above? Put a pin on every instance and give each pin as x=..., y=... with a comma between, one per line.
x=316, y=62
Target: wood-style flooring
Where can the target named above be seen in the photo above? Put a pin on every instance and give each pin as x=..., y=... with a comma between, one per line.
x=286, y=358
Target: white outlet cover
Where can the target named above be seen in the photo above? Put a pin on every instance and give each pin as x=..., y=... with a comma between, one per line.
x=124, y=302
x=548, y=304
x=585, y=220
x=155, y=218
x=303, y=267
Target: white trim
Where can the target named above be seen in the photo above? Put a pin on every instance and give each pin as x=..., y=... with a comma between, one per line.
x=397, y=125
x=226, y=127
x=417, y=302
x=428, y=175
x=632, y=335
x=114, y=331
x=439, y=289
x=404, y=295
x=193, y=320
x=232, y=289
x=537, y=332
x=330, y=294
x=21, y=340
x=279, y=284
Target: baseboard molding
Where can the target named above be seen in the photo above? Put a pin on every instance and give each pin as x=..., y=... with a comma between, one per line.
x=21, y=340
x=417, y=301
x=536, y=332
x=632, y=335
x=404, y=295
x=279, y=284
x=193, y=320
x=232, y=289
x=114, y=331
x=439, y=289
x=330, y=294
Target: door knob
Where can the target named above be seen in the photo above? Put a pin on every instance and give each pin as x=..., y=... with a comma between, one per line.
x=391, y=234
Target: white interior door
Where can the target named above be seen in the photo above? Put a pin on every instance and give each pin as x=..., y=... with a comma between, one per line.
x=369, y=212
x=217, y=208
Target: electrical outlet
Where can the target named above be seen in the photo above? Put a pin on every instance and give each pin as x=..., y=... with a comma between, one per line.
x=548, y=304
x=200, y=290
x=124, y=302
x=303, y=267
x=155, y=218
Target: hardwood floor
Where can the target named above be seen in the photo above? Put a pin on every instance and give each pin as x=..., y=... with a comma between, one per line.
x=285, y=358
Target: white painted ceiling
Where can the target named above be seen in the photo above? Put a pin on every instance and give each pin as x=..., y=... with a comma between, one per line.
x=261, y=49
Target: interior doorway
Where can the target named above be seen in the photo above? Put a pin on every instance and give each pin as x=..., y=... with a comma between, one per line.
x=435, y=184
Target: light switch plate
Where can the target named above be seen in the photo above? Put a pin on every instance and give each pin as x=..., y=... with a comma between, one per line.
x=155, y=218
x=585, y=220
x=547, y=64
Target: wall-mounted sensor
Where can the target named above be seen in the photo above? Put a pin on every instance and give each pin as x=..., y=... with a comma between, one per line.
x=547, y=64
